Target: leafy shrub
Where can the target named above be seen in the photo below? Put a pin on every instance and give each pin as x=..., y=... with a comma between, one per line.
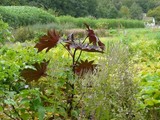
x=111, y=94
x=149, y=95
x=12, y=61
x=23, y=33
x=155, y=13
x=30, y=32
x=5, y=34
x=17, y=16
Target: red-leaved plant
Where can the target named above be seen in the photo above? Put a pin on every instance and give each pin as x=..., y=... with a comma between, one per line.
x=79, y=67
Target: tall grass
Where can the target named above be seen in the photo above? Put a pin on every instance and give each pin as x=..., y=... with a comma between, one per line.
x=101, y=23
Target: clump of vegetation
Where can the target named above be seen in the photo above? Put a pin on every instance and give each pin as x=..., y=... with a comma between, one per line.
x=103, y=23
x=5, y=34
x=17, y=16
x=41, y=100
x=111, y=94
x=155, y=13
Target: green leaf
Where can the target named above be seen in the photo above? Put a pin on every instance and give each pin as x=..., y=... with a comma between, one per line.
x=25, y=116
x=41, y=112
x=36, y=103
x=1, y=108
x=149, y=102
x=10, y=102
x=74, y=113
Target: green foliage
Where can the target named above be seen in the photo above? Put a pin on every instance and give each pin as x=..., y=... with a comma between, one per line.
x=17, y=16
x=124, y=12
x=12, y=61
x=83, y=8
x=149, y=95
x=14, y=92
x=22, y=34
x=5, y=34
x=125, y=87
x=145, y=53
x=155, y=13
x=111, y=94
x=104, y=23
x=136, y=11
x=61, y=102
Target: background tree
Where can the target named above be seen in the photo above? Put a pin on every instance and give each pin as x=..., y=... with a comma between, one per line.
x=146, y=5
x=97, y=8
x=101, y=9
x=112, y=11
x=155, y=13
x=124, y=12
x=136, y=11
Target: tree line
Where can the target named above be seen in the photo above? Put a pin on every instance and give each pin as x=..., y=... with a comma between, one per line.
x=128, y=9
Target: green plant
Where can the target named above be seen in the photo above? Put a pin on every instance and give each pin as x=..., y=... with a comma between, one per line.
x=111, y=94
x=103, y=23
x=149, y=95
x=13, y=90
x=62, y=101
x=5, y=34
x=17, y=16
x=23, y=33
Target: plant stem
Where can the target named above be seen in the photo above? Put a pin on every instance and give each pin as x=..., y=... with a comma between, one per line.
x=81, y=50
x=9, y=115
x=67, y=49
x=71, y=96
x=84, y=40
x=79, y=56
x=16, y=112
x=73, y=61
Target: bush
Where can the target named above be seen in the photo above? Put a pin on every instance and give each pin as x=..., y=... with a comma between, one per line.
x=5, y=34
x=23, y=33
x=155, y=13
x=24, y=15
x=101, y=23
x=12, y=61
x=111, y=94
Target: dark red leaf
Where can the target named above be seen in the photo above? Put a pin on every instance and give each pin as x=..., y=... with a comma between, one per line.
x=85, y=47
x=30, y=74
x=87, y=26
x=48, y=41
x=101, y=45
x=70, y=37
x=84, y=67
x=93, y=38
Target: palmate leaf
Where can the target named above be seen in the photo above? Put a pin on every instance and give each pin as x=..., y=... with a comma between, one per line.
x=85, y=47
x=48, y=41
x=31, y=74
x=93, y=38
x=83, y=67
x=94, y=45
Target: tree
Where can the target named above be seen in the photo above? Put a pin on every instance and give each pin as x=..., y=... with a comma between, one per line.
x=147, y=4
x=136, y=11
x=112, y=11
x=106, y=9
x=155, y=13
x=124, y=12
x=127, y=3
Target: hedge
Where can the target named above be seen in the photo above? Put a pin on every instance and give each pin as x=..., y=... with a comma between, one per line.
x=101, y=23
x=17, y=16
